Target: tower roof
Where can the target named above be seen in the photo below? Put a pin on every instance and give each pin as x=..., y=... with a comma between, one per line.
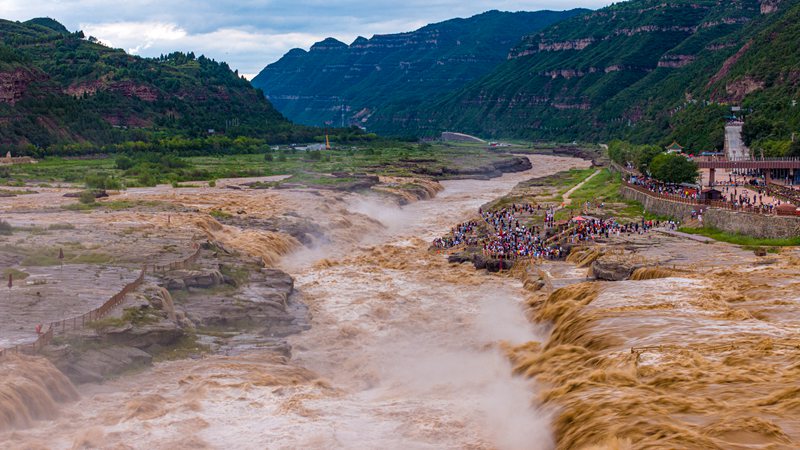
x=674, y=146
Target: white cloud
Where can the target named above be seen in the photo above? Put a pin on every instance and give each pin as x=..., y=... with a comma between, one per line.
x=249, y=34
x=134, y=36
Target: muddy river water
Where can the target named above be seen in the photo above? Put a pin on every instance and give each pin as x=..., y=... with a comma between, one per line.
x=403, y=353
x=699, y=349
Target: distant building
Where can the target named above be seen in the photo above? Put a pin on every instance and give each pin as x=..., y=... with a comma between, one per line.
x=309, y=147
x=674, y=148
x=8, y=160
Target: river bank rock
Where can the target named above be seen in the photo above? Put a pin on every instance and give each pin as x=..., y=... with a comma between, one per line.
x=612, y=268
x=485, y=172
x=98, y=193
x=94, y=365
x=302, y=229
x=185, y=279
x=125, y=340
x=144, y=336
x=262, y=302
x=480, y=262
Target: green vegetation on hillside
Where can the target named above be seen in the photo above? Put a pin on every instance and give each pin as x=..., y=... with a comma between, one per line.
x=641, y=70
x=71, y=95
x=336, y=82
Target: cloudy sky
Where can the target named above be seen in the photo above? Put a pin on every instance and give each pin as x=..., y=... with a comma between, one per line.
x=250, y=34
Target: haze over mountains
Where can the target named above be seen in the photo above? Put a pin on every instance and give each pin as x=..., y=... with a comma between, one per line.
x=646, y=70
x=643, y=70
x=335, y=82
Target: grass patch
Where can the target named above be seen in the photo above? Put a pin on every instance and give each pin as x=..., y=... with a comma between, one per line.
x=187, y=346
x=604, y=187
x=741, y=239
x=15, y=274
x=40, y=256
x=391, y=158
x=7, y=192
x=564, y=180
x=219, y=214
x=238, y=274
x=61, y=226
x=133, y=316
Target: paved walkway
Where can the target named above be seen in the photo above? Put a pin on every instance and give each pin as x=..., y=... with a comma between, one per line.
x=679, y=234
x=565, y=198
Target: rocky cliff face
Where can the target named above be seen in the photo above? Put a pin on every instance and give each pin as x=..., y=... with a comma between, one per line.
x=346, y=84
x=14, y=83
x=605, y=73
x=58, y=88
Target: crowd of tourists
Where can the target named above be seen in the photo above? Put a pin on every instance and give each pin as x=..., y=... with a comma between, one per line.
x=465, y=233
x=753, y=198
x=664, y=189
x=508, y=237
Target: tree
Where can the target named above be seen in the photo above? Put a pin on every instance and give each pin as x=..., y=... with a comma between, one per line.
x=673, y=168
x=645, y=156
x=794, y=149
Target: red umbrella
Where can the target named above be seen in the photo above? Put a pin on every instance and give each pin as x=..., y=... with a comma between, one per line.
x=579, y=219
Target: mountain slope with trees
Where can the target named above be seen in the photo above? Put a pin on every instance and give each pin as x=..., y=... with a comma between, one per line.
x=61, y=92
x=335, y=82
x=644, y=70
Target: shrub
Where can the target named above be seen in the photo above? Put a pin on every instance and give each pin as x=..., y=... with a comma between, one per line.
x=102, y=182
x=124, y=162
x=212, y=183
x=147, y=179
x=5, y=228
x=86, y=197
x=268, y=157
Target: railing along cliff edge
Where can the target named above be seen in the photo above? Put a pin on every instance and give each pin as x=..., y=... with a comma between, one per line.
x=80, y=322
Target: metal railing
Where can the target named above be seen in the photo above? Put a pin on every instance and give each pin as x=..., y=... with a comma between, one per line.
x=710, y=203
x=80, y=322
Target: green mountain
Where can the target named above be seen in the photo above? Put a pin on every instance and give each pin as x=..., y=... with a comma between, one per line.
x=59, y=89
x=339, y=83
x=647, y=70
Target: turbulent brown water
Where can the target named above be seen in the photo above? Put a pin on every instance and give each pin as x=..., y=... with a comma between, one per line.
x=405, y=351
x=409, y=352
x=701, y=358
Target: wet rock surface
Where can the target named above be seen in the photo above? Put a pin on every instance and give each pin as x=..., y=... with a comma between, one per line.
x=185, y=279
x=613, y=269
x=304, y=230
x=96, y=364
x=226, y=303
x=480, y=261
x=493, y=170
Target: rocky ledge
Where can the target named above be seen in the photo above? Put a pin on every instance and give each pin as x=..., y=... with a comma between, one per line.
x=480, y=261
x=224, y=303
x=493, y=170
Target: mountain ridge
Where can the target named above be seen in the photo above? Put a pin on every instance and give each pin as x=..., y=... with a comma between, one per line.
x=335, y=82
x=62, y=89
x=641, y=69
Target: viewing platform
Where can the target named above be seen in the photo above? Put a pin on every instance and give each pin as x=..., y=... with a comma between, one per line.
x=710, y=162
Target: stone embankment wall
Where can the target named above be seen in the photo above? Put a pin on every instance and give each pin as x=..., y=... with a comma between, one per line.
x=757, y=225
